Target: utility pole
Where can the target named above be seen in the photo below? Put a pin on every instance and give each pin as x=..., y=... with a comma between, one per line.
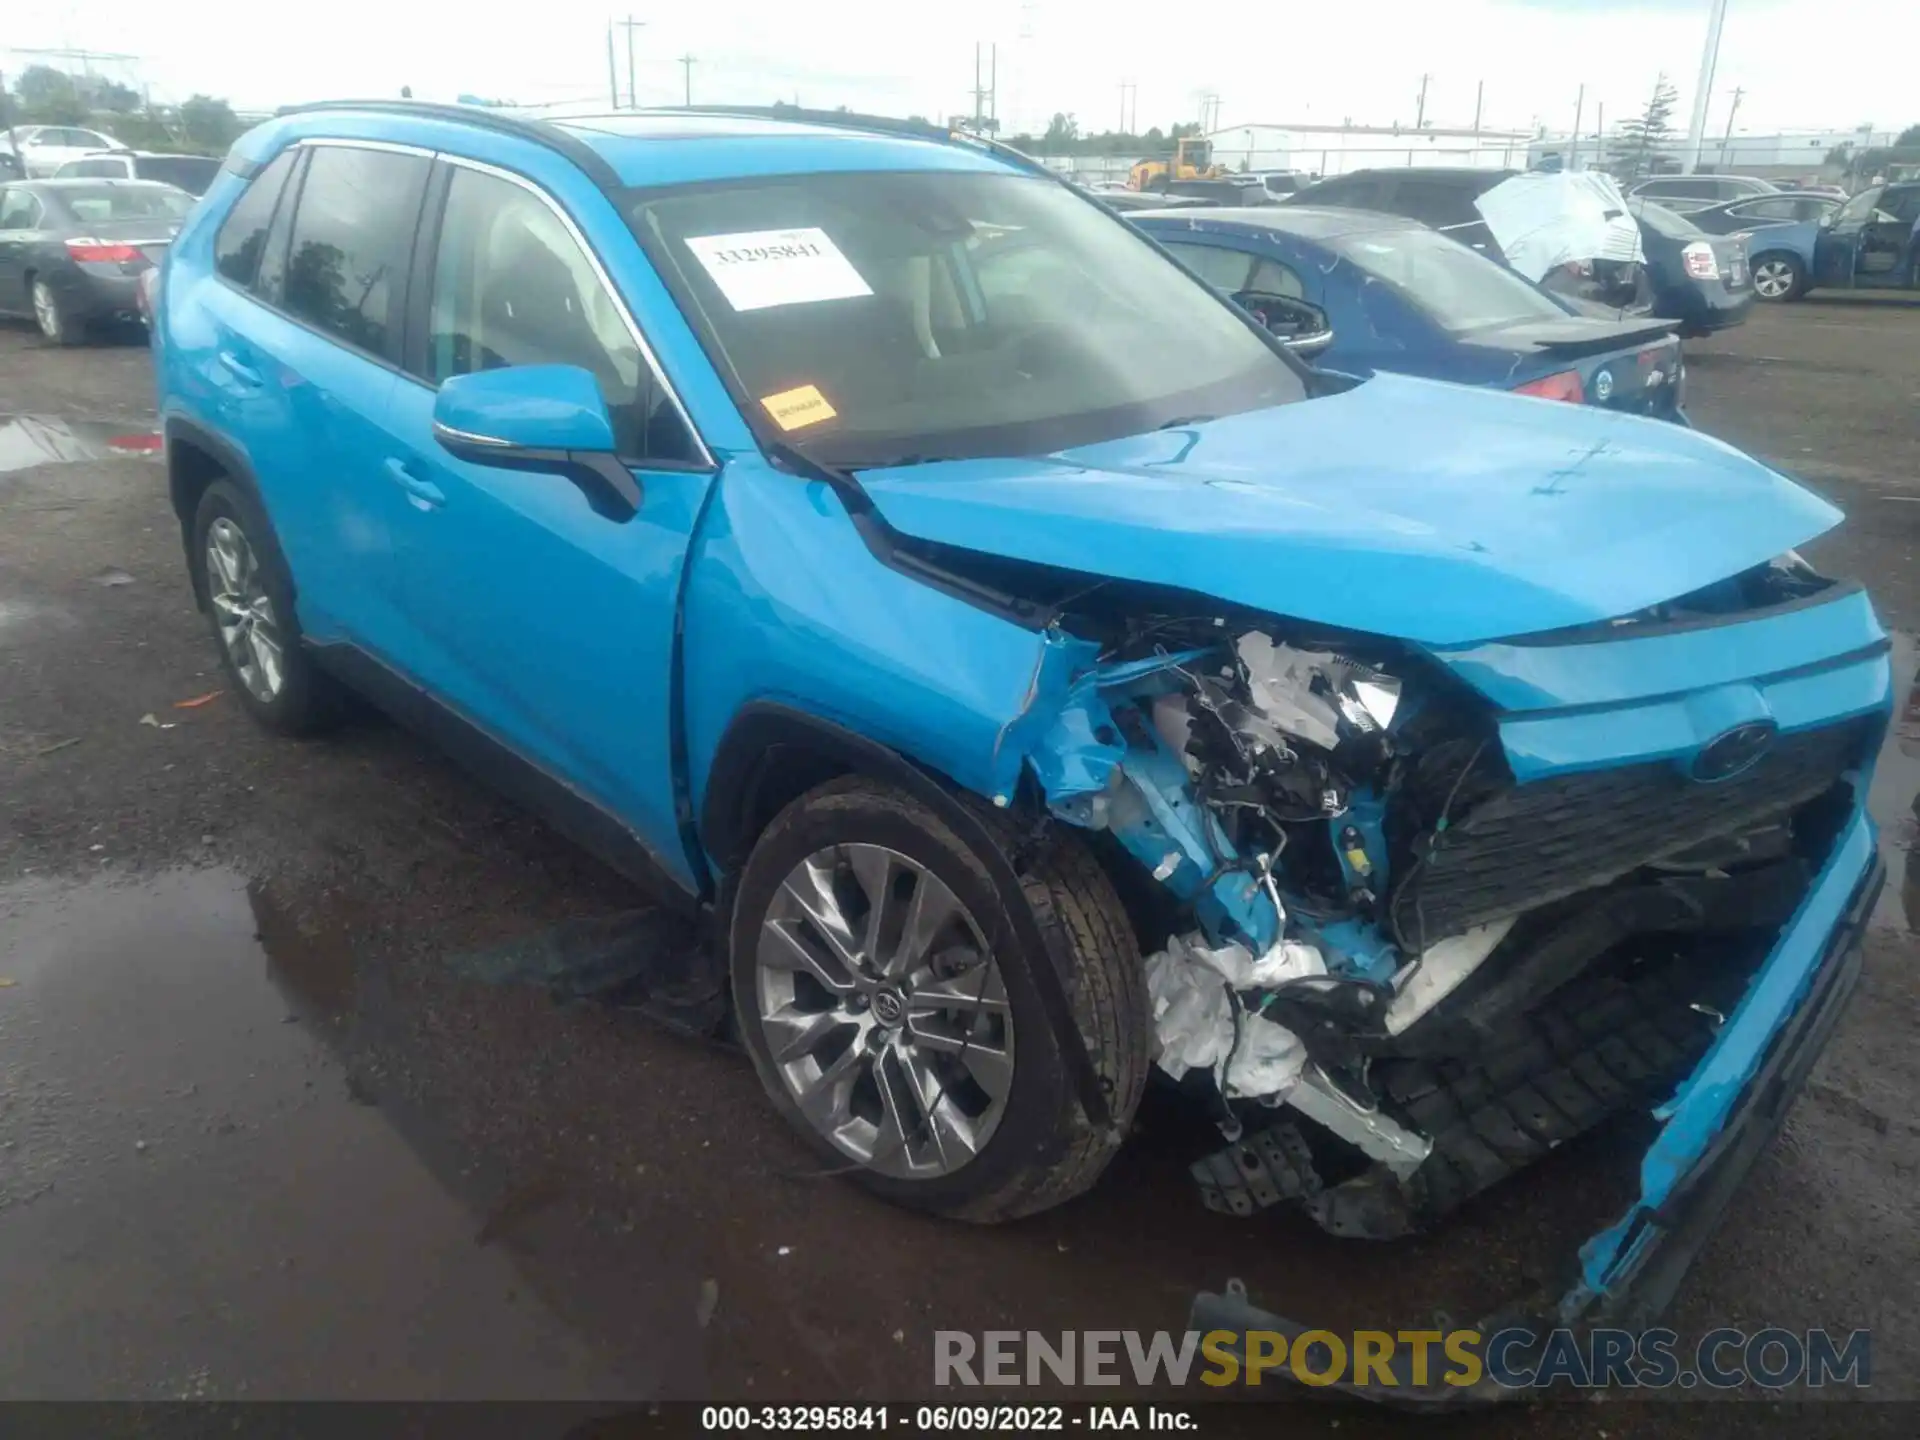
x=978, y=93
x=686, y=71
x=1420, y=112
x=613, y=69
x=1600, y=132
x=1727, y=139
x=1479, y=99
x=630, y=25
x=993, y=85
x=1579, y=109
x=1709, y=61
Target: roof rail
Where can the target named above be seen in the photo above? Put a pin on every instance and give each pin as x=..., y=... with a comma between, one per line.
x=855, y=120
x=540, y=132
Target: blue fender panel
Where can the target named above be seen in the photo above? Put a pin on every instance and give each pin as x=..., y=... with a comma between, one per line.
x=785, y=603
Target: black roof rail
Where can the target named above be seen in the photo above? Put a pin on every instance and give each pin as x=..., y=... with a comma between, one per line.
x=540, y=132
x=856, y=120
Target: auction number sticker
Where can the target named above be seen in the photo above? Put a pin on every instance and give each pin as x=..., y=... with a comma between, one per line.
x=761, y=268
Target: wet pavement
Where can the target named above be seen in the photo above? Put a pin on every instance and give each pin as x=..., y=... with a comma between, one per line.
x=297, y=1101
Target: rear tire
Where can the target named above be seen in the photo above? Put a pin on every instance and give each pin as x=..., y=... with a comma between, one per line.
x=1778, y=277
x=987, y=1157
x=58, y=326
x=240, y=574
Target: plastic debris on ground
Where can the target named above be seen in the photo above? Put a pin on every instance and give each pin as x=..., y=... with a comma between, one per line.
x=1200, y=1024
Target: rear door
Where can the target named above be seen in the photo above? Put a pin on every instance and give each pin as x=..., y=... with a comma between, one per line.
x=546, y=622
x=309, y=355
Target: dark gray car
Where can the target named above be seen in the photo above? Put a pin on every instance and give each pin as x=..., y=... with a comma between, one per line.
x=72, y=251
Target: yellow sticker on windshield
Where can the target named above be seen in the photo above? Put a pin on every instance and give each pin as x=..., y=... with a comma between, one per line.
x=792, y=409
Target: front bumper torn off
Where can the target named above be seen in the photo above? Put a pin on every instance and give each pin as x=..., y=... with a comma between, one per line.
x=1717, y=1125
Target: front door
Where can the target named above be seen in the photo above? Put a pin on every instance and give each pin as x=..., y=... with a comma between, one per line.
x=1885, y=255
x=1853, y=250
x=542, y=620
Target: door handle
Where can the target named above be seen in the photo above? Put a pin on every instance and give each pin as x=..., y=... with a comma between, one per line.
x=240, y=370
x=424, y=493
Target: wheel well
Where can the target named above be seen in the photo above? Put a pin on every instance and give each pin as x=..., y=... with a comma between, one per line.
x=190, y=470
x=782, y=773
x=773, y=754
x=1776, y=255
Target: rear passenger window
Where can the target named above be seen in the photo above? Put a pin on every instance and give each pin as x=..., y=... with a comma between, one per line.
x=236, y=250
x=352, y=239
x=511, y=286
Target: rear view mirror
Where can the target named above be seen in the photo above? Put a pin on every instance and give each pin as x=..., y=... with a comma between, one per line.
x=549, y=418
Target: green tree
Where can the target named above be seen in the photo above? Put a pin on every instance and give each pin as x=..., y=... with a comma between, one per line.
x=1062, y=133
x=208, y=123
x=1638, y=143
x=48, y=97
x=1907, y=138
x=99, y=93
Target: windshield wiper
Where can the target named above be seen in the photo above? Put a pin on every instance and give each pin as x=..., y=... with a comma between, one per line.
x=1185, y=420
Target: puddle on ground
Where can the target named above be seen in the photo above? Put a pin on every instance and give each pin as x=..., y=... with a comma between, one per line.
x=30, y=440
x=194, y=1202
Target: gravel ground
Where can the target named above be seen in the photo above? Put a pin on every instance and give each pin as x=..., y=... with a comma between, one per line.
x=268, y=1129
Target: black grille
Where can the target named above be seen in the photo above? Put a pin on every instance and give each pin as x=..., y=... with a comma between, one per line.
x=1528, y=845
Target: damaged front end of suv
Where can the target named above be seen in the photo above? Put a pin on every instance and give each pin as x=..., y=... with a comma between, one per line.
x=1419, y=911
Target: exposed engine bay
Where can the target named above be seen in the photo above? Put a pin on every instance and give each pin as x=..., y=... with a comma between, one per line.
x=1392, y=971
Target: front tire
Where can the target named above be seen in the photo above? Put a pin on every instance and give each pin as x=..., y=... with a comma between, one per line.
x=58, y=326
x=1779, y=277
x=892, y=1015
x=241, y=575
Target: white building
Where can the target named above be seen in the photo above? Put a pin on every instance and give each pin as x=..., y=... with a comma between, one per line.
x=1336, y=149
x=1791, y=154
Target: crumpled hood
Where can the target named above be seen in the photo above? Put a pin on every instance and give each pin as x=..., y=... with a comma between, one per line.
x=1433, y=513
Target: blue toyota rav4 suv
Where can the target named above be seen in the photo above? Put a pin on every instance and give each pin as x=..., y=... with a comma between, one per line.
x=1033, y=670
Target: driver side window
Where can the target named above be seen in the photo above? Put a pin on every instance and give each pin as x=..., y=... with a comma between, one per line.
x=511, y=286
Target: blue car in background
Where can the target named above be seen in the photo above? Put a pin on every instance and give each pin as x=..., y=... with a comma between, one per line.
x=1031, y=672
x=1364, y=292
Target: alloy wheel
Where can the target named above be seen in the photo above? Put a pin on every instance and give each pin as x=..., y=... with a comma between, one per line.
x=1773, y=279
x=884, y=1011
x=249, y=629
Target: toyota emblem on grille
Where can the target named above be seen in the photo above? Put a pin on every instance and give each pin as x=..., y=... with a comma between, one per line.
x=1737, y=750
x=1603, y=386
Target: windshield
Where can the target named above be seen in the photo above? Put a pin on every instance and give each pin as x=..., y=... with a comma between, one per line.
x=1459, y=289
x=886, y=318
x=1662, y=221
x=125, y=202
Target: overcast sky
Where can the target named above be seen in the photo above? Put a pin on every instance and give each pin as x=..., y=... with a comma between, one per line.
x=1802, y=63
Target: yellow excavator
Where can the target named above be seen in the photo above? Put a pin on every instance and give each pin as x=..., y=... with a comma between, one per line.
x=1192, y=160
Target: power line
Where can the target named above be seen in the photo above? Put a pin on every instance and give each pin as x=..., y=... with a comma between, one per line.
x=686, y=71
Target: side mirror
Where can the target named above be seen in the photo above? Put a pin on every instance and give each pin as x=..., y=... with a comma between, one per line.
x=547, y=418
x=1301, y=327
